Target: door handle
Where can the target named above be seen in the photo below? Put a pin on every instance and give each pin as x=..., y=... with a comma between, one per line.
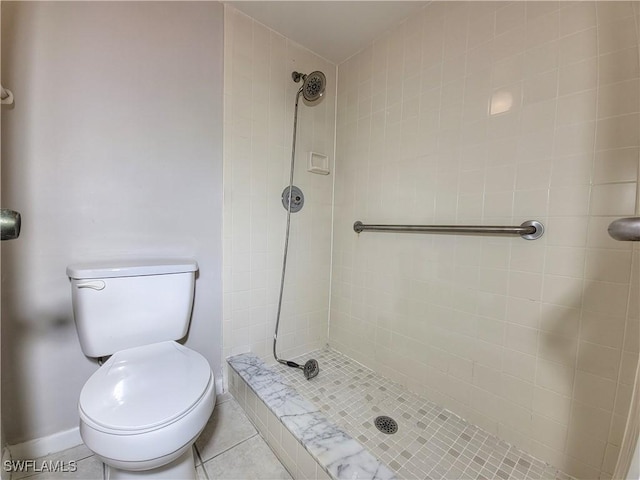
x=625, y=229
x=10, y=223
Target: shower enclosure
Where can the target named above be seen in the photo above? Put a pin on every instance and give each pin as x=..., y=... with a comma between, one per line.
x=466, y=114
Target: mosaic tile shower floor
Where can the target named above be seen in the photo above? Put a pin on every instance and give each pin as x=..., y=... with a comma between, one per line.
x=431, y=442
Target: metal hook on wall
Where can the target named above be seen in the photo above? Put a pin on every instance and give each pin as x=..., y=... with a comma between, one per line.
x=6, y=96
x=10, y=222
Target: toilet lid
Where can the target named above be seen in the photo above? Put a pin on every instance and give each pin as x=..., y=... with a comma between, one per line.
x=145, y=387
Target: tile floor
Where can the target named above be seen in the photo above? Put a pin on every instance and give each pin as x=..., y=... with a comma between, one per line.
x=229, y=448
x=431, y=442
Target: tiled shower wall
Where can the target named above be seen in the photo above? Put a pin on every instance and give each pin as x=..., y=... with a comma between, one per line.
x=259, y=99
x=496, y=113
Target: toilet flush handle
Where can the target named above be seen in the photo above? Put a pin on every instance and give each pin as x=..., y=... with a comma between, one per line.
x=95, y=285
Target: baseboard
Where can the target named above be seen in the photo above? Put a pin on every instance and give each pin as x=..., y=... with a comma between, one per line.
x=40, y=447
x=220, y=385
x=5, y=474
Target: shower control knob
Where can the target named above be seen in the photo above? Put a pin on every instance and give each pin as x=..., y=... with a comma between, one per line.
x=10, y=223
x=296, y=198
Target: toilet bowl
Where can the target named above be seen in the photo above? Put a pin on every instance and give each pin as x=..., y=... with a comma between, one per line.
x=143, y=409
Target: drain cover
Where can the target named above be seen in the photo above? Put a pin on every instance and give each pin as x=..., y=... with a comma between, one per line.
x=386, y=424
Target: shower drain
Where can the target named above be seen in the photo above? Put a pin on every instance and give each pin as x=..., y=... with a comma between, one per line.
x=386, y=424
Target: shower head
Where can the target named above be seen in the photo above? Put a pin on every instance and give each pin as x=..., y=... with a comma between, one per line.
x=313, y=84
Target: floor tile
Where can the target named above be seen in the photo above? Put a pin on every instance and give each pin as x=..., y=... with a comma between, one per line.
x=251, y=460
x=223, y=397
x=227, y=427
x=201, y=475
x=229, y=442
x=87, y=469
x=76, y=454
x=429, y=439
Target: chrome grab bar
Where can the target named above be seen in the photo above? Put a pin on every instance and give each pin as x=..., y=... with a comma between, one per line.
x=10, y=222
x=625, y=229
x=529, y=230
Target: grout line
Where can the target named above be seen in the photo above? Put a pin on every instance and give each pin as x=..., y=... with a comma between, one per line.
x=231, y=447
x=220, y=402
x=206, y=475
x=333, y=204
x=198, y=456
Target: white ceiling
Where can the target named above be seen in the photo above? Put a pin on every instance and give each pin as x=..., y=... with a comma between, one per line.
x=334, y=30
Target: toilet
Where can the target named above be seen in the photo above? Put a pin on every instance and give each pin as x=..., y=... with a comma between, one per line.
x=143, y=409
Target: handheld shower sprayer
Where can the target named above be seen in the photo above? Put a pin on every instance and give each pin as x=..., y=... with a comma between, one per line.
x=313, y=86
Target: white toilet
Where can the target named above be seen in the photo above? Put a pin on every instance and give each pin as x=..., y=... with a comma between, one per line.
x=141, y=412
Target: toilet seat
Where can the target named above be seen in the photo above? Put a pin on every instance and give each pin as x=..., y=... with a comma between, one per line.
x=144, y=388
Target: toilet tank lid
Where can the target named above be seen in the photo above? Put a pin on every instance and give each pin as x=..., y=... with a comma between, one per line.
x=131, y=267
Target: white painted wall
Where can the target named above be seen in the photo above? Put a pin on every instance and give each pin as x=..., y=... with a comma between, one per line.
x=113, y=147
x=634, y=469
x=3, y=475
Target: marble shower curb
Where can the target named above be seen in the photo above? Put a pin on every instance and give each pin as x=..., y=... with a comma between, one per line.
x=262, y=391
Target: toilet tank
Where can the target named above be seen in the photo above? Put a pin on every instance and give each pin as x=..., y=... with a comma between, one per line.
x=124, y=304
